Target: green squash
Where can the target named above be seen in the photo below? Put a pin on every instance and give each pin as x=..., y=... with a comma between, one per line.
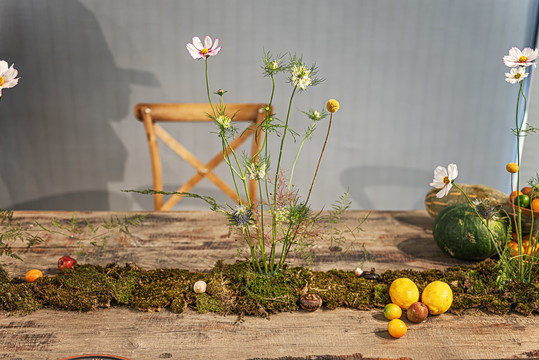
x=460, y=233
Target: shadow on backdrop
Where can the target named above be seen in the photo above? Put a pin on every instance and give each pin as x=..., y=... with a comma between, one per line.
x=59, y=149
x=362, y=178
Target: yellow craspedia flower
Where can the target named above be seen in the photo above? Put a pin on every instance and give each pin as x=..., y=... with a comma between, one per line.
x=512, y=167
x=332, y=105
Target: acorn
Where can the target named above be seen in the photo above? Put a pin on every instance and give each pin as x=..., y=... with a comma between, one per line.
x=310, y=302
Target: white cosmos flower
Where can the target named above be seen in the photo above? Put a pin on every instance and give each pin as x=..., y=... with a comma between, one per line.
x=526, y=57
x=199, y=50
x=516, y=75
x=8, y=76
x=443, y=179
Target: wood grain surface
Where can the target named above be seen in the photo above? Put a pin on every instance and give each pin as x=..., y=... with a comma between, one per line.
x=195, y=241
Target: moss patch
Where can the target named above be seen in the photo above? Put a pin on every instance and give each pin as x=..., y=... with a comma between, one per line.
x=236, y=289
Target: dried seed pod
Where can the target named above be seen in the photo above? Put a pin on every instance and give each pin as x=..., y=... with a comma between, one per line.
x=310, y=302
x=200, y=287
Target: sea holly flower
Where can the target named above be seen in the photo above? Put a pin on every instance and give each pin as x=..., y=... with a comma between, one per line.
x=8, y=76
x=516, y=57
x=203, y=51
x=443, y=179
x=241, y=216
x=516, y=75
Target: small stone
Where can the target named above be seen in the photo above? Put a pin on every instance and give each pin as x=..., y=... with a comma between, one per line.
x=371, y=275
x=199, y=287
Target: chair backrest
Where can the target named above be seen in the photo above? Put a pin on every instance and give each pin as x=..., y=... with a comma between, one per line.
x=151, y=114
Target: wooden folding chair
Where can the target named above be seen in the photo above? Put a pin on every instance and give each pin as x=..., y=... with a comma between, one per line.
x=151, y=114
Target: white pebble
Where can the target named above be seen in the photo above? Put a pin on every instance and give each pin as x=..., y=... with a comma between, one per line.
x=200, y=287
x=358, y=272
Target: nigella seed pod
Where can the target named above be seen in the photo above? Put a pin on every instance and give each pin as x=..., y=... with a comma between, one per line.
x=358, y=272
x=200, y=287
x=310, y=302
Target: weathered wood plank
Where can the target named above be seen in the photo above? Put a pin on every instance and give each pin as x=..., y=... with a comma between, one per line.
x=196, y=240
x=49, y=334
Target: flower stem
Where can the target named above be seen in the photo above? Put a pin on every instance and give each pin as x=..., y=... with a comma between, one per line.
x=297, y=156
x=208, y=87
x=319, y=160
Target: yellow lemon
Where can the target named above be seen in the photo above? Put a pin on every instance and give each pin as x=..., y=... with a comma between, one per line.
x=438, y=297
x=403, y=292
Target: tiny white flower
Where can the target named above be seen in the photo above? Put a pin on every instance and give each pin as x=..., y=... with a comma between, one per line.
x=223, y=121
x=443, y=179
x=516, y=75
x=358, y=272
x=257, y=171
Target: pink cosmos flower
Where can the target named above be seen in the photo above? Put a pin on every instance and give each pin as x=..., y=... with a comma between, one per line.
x=8, y=76
x=516, y=57
x=203, y=51
x=443, y=179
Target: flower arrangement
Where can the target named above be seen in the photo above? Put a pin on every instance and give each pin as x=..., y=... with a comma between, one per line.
x=280, y=222
x=520, y=264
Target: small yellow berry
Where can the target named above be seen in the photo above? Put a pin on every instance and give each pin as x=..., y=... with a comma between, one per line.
x=512, y=167
x=332, y=105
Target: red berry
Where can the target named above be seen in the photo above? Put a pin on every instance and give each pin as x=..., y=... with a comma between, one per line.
x=66, y=262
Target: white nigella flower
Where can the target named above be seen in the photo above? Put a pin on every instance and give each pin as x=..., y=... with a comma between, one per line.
x=526, y=57
x=223, y=121
x=300, y=76
x=257, y=171
x=516, y=75
x=443, y=179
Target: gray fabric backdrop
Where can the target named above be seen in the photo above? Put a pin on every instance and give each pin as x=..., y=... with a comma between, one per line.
x=420, y=84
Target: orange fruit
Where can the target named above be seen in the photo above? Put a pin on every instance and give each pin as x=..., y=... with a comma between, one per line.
x=535, y=205
x=397, y=328
x=33, y=275
x=514, y=194
x=392, y=311
x=513, y=248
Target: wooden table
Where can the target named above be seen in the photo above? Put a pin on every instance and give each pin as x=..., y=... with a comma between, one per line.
x=195, y=241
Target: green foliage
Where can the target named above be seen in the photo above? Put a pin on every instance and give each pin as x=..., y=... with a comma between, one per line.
x=11, y=232
x=88, y=234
